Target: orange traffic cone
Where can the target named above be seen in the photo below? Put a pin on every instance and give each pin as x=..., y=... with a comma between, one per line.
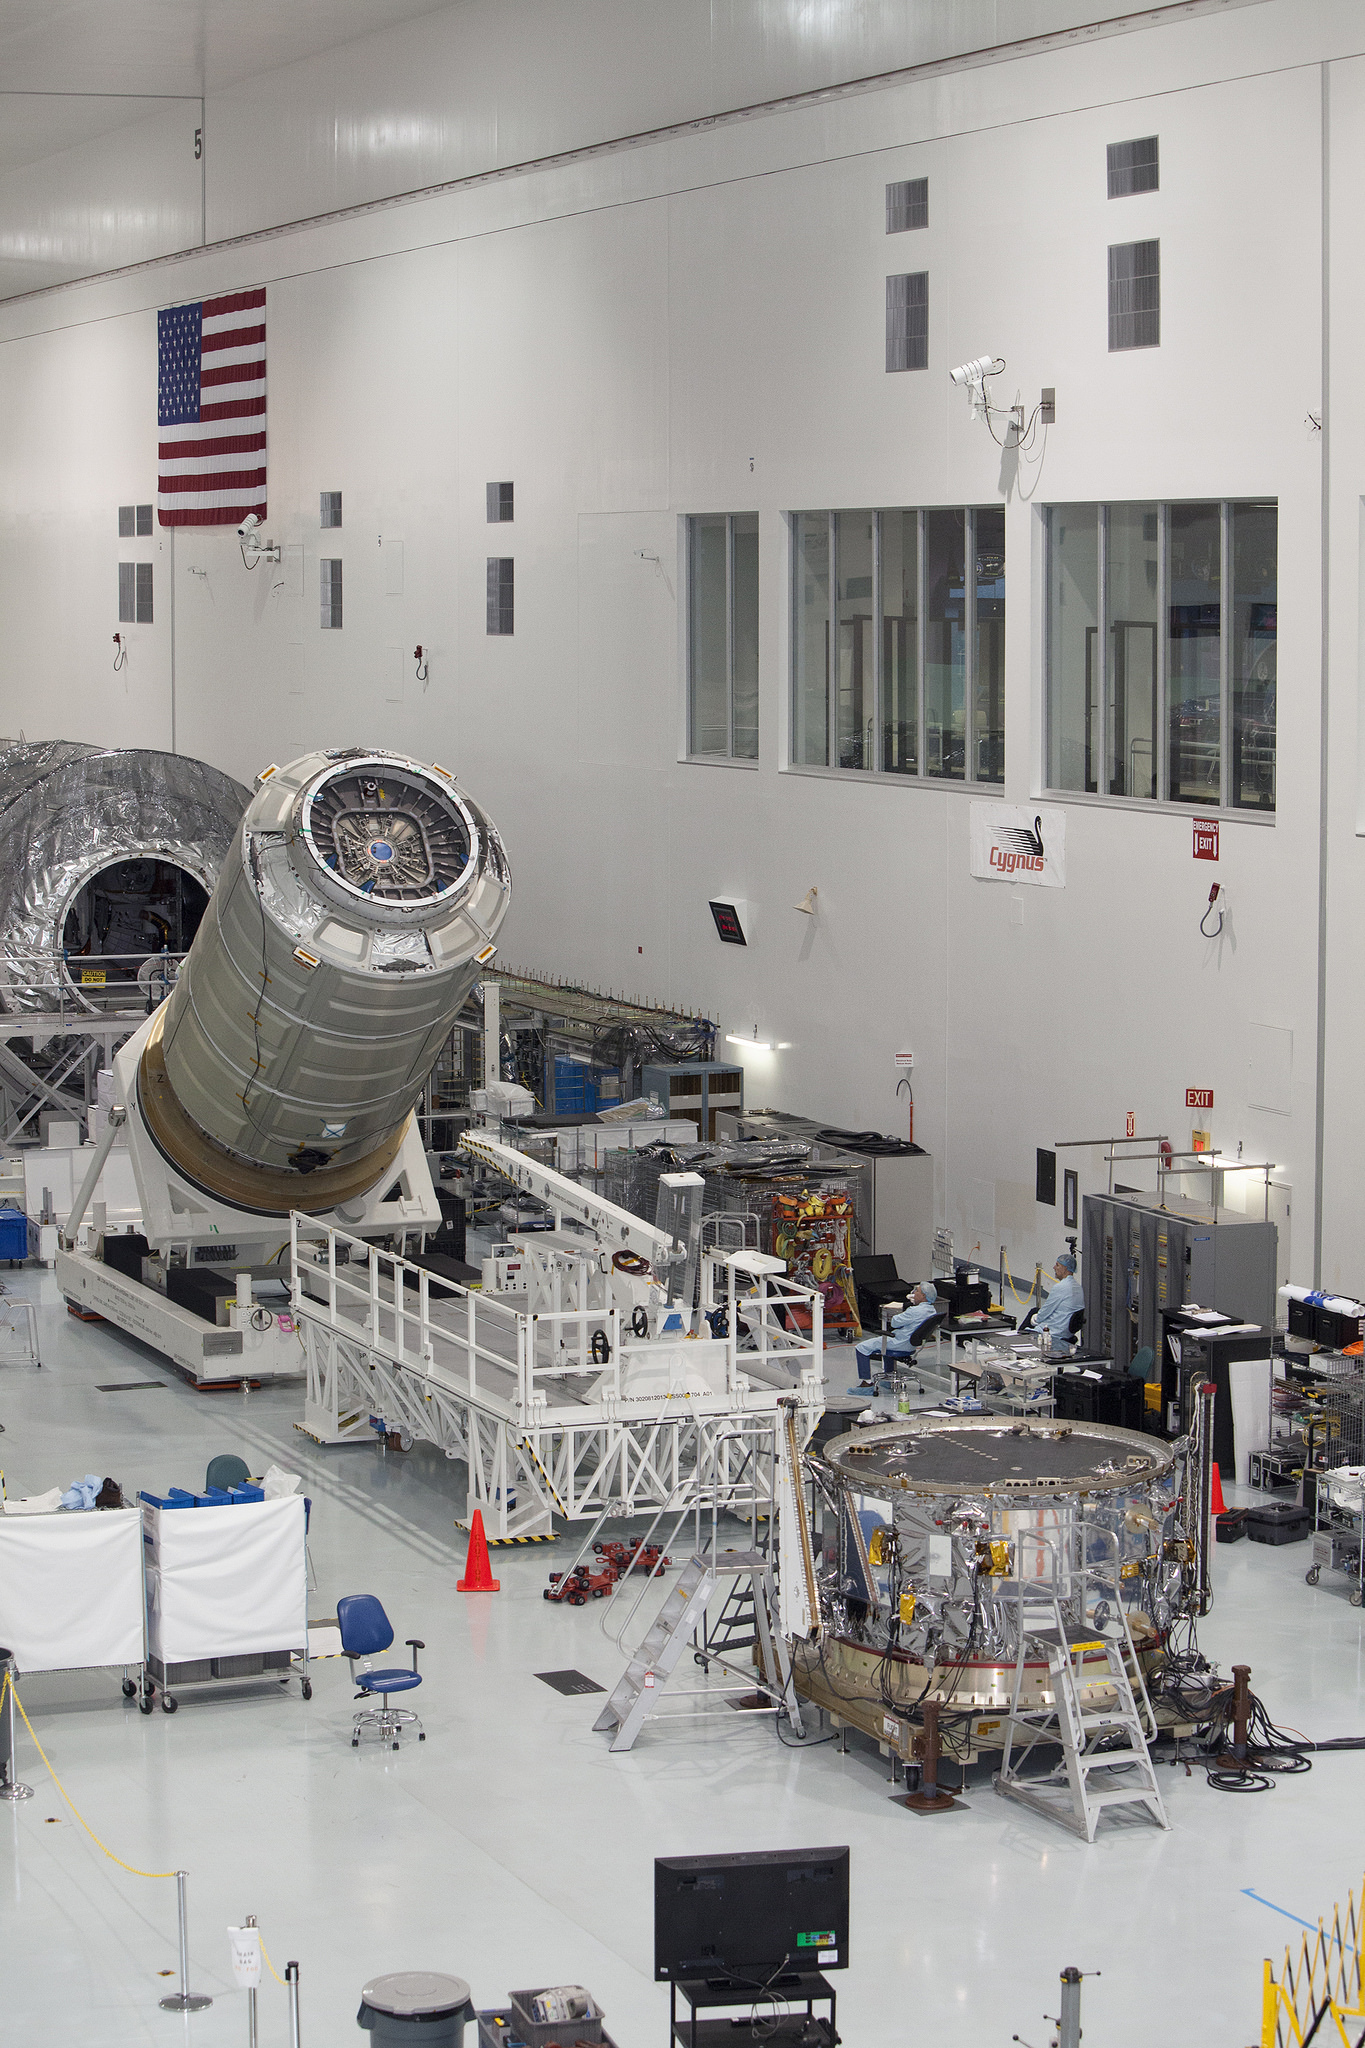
x=1217, y=1505
x=478, y=1572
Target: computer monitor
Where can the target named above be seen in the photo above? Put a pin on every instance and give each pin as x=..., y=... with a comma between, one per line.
x=753, y=1918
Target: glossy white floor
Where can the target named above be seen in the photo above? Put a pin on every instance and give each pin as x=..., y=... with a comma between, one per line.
x=512, y=1849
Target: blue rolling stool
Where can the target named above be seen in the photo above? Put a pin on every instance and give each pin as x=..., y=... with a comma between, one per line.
x=365, y=1631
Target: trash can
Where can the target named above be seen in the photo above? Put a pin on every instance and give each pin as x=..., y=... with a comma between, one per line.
x=416, y=2009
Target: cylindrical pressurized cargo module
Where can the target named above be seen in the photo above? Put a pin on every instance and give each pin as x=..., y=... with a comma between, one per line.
x=355, y=908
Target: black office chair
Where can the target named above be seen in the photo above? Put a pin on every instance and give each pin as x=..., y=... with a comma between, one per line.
x=1076, y=1325
x=876, y=1280
x=226, y=1470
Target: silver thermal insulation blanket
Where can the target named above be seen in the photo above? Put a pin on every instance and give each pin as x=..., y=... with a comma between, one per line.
x=67, y=811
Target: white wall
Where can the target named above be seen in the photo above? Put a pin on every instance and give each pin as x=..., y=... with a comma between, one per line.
x=623, y=338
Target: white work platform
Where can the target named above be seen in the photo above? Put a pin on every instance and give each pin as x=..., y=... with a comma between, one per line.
x=561, y=1407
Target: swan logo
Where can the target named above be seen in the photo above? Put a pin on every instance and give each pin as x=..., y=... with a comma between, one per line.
x=1018, y=843
x=1018, y=847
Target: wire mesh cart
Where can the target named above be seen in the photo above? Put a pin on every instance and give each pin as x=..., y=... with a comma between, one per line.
x=1338, y=1482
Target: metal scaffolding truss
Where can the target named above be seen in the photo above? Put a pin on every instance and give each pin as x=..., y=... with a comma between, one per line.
x=545, y=1426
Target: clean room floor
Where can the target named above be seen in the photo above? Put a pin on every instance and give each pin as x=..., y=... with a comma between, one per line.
x=512, y=1849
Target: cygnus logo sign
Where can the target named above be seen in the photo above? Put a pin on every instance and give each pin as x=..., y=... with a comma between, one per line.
x=1019, y=843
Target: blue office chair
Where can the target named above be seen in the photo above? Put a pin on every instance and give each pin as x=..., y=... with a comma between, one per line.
x=1141, y=1362
x=365, y=1631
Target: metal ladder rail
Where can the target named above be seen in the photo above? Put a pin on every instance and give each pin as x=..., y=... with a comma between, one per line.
x=1067, y=1721
x=694, y=1508
x=638, y=1694
x=1014, y=1718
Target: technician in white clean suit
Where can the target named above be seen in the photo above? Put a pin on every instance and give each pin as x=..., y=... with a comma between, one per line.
x=921, y=1308
x=1061, y=1304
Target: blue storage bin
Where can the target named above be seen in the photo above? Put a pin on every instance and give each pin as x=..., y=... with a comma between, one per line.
x=13, y=1234
x=241, y=1495
x=213, y=1497
x=186, y=1501
x=178, y=1497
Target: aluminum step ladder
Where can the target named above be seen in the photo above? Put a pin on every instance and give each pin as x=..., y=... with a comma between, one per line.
x=682, y=1617
x=1098, y=1736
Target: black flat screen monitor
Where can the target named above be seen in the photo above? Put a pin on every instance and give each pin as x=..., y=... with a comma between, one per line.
x=754, y=1917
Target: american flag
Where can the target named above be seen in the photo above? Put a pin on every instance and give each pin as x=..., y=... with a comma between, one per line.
x=211, y=410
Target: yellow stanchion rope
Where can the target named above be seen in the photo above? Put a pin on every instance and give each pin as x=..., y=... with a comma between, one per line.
x=11, y=1687
x=131, y=1868
x=1006, y=1274
x=269, y=1965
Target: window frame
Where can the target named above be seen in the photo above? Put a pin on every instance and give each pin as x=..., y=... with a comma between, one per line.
x=728, y=759
x=919, y=777
x=1163, y=803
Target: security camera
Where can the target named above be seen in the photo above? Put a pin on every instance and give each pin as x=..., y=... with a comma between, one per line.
x=253, y=548
x=977, y=370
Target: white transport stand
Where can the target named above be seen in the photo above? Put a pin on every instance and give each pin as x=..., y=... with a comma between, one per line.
x=71, y=1593
x=226, y=1595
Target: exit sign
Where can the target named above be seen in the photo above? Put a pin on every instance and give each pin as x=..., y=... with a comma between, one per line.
x=1205, y=838
x=1199, y=1098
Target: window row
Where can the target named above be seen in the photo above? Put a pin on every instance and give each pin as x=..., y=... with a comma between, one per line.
x=898, y=642
x=1159, y=651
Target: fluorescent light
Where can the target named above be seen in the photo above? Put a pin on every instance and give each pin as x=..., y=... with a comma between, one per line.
x=753, y=1044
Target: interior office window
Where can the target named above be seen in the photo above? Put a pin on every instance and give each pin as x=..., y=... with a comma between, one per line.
x=1133, y=167
x=988, y=665
x=1075, y=711
x=855, y=694
x=330, y=589
x=1161, y=620
x=134, y=520
x=907, y=205
x=500, y=579
x=1132, y=724
x=144, y=520
x=329, y=508
x=499, y=503
x=811, y=554
x=907, y=321
x=1134, y=295
x=945, y=644
x=1254, y=556
x=722, y=635
x=1194, y=654
x=898, y=642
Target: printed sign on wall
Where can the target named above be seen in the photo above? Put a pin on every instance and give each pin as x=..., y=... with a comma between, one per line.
x=1019, y=843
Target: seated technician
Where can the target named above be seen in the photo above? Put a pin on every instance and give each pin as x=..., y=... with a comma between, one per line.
x=1061, y=1304
x=921, y=1308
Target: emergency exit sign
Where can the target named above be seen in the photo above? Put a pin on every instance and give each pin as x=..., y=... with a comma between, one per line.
x=1199, y=1098
x=1205, y=841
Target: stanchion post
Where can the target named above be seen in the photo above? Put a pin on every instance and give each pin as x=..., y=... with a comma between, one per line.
x=183, y=2000
x=10, y=1788
x=1069, y=2019
x=291, y=1978
x=1235, y=1758
x=929, y=1799
x=251, y=2000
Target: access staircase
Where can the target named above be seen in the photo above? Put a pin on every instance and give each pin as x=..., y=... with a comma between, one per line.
x=1101, y=1721
x=745, y=1623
